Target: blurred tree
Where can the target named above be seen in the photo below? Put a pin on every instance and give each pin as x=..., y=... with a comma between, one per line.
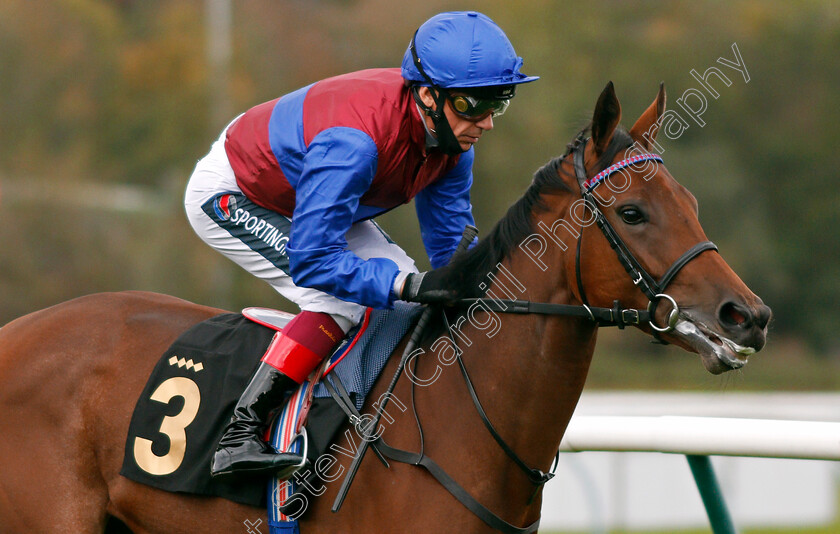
x=118, y=93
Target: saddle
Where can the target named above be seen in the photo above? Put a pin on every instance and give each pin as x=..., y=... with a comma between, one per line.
x=194, y=386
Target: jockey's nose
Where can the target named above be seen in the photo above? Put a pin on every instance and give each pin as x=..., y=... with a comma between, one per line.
x=486, y=123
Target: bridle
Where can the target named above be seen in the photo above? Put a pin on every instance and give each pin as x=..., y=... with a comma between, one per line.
x=653, y=289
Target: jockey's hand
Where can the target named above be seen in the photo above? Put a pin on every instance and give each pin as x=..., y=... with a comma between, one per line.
x=427, y=288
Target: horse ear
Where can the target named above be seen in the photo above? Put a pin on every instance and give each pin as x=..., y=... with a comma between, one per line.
x=605, y=119
x=645, y=129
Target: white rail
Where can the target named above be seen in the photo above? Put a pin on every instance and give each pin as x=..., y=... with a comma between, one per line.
x=716, y=436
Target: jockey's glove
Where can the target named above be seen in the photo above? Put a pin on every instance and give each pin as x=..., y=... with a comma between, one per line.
x=427, y=288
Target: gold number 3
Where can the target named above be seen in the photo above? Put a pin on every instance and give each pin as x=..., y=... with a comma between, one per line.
x=172, y=426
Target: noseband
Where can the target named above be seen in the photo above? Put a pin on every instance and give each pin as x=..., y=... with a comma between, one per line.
x=653, y=289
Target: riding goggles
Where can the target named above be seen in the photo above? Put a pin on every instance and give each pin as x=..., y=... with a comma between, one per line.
x=475, y=109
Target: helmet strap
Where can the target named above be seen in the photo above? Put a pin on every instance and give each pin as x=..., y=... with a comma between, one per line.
x=447, y=142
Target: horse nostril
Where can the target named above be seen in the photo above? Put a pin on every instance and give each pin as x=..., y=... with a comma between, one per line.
x=735, y=315
x=762, y=316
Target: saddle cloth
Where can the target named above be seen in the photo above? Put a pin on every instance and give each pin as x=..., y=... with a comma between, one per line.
x=195, y=385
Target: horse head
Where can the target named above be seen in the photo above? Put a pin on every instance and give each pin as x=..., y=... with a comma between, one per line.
x=696, y=300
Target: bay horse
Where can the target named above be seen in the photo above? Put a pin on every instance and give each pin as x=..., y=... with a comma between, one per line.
x=71, y=374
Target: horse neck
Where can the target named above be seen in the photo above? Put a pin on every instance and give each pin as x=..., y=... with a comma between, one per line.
x=528, y=371
x=536, y=365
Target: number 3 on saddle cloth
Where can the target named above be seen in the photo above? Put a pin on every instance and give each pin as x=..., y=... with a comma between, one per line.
x=192, y=390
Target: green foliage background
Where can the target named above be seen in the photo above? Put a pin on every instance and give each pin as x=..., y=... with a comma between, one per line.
x=106, y=105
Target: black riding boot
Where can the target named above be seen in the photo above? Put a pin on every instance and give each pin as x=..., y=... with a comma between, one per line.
x=242, y=449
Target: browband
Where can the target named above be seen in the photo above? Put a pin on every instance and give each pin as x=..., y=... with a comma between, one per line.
x=598, y=178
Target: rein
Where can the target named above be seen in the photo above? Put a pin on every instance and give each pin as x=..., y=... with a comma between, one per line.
x=653, y=289
x=537, y=477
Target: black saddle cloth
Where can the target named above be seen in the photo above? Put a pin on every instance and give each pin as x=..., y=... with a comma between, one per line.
x=189, y=399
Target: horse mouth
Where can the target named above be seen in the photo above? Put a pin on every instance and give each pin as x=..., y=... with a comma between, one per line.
x=718, y=353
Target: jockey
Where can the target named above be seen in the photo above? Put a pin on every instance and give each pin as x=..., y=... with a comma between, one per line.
x=290, y=188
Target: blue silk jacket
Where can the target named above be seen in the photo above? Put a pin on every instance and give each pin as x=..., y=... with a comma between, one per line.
x=339, y=151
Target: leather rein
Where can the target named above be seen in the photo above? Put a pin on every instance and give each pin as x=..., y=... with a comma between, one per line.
x=653, y=289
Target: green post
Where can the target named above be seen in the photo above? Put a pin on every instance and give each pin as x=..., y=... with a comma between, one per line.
x=707, y=484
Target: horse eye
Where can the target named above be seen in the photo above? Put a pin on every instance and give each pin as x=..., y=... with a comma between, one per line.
x=632, y=215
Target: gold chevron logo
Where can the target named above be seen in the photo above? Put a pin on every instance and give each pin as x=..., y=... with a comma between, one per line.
x=183, y=362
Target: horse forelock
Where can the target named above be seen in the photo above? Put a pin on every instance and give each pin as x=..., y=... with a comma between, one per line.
x=468, y=273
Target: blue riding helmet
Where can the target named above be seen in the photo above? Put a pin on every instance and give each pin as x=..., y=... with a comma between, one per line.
x=463, y=49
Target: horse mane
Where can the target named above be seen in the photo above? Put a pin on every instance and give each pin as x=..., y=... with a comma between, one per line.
x=468, y=272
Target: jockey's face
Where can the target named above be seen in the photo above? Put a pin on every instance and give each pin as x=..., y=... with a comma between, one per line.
x=467, y=131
